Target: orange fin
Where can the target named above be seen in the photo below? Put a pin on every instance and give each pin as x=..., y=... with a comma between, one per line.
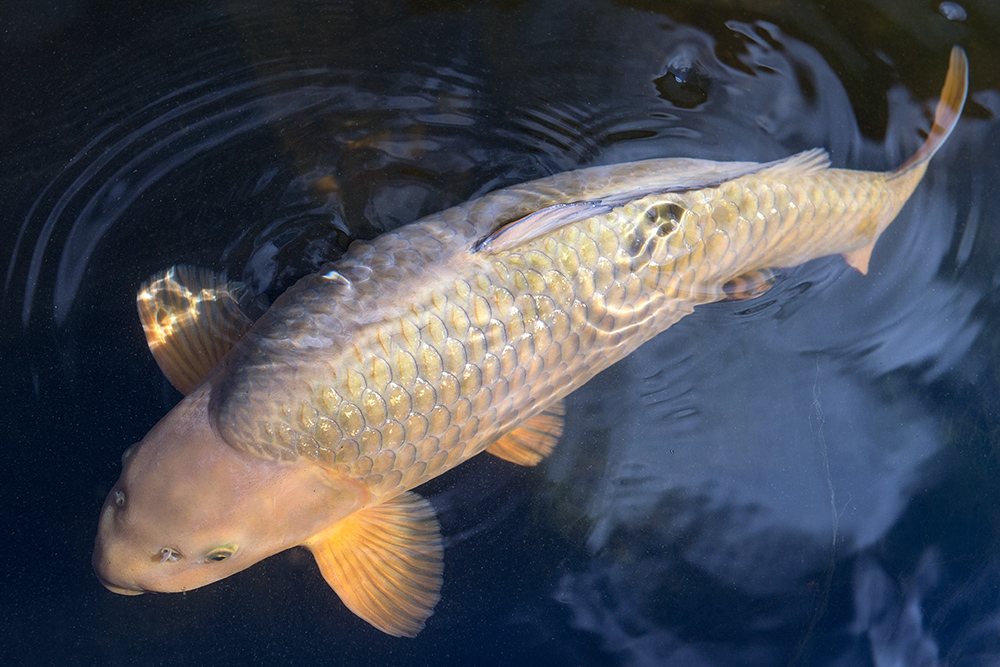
x=949, y=108
x=192, y=318
x=528, y=444
x=749, y=285
x=385, y=562
x=859, y=258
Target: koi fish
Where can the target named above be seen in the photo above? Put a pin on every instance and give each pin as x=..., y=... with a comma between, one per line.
x=457, y=334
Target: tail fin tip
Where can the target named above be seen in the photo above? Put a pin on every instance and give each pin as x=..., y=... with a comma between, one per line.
x=949, y=108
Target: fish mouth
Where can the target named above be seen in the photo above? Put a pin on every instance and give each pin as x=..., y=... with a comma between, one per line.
x=121, y=590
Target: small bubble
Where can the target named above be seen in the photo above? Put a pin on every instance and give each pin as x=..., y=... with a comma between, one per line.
x=685, y=83
x=952, y=11
x=686, y=90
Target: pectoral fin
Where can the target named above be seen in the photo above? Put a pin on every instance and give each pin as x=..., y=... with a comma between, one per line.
x=532, y=442
x=192, y=318
x=385, y=562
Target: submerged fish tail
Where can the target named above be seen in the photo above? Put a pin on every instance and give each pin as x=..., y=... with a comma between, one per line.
x=903, y=180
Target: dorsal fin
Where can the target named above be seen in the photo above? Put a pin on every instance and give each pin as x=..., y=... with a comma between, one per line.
x=192, y=318
x=699, y=174
x=805, y=163
x=537, y=224
x=949, y=108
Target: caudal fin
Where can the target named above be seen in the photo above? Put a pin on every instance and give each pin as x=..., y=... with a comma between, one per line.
x=949, y=108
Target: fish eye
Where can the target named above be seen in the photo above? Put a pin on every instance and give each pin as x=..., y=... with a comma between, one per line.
x=120, y=498
x=220, y=554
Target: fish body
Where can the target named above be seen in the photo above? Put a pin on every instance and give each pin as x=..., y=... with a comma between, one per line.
x=428, y=345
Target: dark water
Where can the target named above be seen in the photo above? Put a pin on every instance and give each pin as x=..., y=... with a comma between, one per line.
x=805, y=479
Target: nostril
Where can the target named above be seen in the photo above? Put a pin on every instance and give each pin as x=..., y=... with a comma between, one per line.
x=169, y=555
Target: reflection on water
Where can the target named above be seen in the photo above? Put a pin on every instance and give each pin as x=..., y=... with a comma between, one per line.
x=807, y=478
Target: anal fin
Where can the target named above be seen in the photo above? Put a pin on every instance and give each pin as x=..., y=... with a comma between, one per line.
x=531, y=442
x=385, y=562
x=192, y=318
x=748, y=285
x=859, y=258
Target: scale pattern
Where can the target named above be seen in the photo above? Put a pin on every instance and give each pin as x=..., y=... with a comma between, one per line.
x=415, y=352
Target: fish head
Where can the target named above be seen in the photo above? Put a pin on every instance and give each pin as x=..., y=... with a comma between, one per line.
x=190, y=509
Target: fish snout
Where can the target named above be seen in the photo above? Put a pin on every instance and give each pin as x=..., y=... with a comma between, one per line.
x=103, y=563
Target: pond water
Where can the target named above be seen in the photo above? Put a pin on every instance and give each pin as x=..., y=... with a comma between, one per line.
x=808, y=478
